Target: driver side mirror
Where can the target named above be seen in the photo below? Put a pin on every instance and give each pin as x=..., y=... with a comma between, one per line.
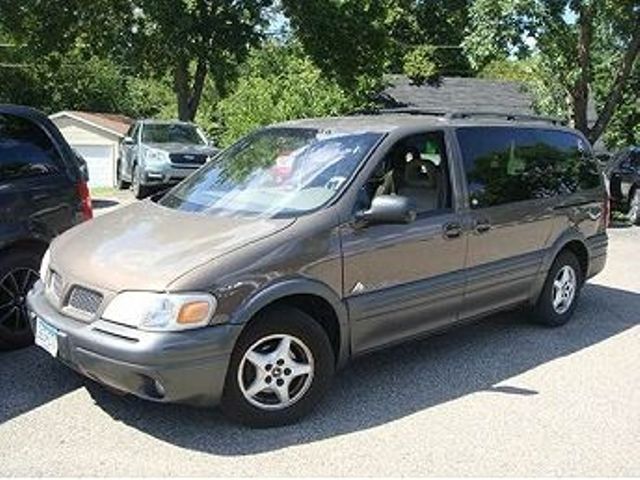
x=128, y=141
x=388, y=209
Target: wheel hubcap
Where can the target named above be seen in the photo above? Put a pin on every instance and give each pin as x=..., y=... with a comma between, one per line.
x=276, y=372
x=14, y=287
x=564, y=289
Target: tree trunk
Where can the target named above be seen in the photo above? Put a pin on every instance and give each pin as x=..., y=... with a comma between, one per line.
x=581, y=87
x=617, y=88
x=188, y=95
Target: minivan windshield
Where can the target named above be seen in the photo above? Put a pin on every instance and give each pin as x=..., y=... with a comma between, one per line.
x=273, y=173
x=171, y=133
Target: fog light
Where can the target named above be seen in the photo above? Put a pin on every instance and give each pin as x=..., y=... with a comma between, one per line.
x=159, y=388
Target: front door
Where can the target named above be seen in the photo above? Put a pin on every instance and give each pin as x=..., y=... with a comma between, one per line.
x=403, y=280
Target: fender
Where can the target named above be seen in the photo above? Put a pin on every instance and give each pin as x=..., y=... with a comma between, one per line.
x=551, y=253
x=298, y=286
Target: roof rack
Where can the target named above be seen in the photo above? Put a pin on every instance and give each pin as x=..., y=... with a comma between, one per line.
x=462, y=114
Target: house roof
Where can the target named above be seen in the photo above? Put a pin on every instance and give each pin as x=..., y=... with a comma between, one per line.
x=458, y=94
x=110, y=122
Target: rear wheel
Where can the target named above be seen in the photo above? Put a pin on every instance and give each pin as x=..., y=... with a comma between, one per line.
x=281, y=367
x=634, y=208
x=558, y=299
x=139, y=190
x=18, y=273
x=120, y=182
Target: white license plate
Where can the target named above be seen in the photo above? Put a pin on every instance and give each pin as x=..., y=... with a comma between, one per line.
x=46, y=337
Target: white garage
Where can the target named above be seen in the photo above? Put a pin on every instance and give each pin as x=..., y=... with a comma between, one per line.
x=96, y=137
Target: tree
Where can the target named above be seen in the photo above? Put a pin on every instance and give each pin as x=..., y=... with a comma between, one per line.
x=356, y=41
x=279, y=82
x=189, y=39
x=574, y=40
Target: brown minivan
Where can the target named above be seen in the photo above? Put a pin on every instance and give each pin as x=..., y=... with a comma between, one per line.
x=310, y=242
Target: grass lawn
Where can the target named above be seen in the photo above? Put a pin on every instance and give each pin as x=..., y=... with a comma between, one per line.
x=104, y=191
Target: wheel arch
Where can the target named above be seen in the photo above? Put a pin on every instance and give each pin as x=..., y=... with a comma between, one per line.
x=571, y=240
x=312, y=297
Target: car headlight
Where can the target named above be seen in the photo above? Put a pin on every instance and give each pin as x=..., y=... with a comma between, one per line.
x=44, y=265
x=156, y=157
x=161, y=311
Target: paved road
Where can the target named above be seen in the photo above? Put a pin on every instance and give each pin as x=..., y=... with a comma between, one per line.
x=498, y=398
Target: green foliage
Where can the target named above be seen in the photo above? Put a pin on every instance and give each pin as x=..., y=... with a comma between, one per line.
x=420, y=65
x=578, y=48
x=76, y=81
x=279, y=83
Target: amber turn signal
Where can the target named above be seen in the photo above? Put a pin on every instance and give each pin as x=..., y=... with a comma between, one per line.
x=194, y=312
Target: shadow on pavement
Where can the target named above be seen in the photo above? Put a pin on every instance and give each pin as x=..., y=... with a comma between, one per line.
x=98, y=203
x=394, y=383
x=30, y=378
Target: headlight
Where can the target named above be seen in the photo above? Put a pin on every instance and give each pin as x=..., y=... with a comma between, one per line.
x=156, y=157
x=44, y=265
x=161, y=311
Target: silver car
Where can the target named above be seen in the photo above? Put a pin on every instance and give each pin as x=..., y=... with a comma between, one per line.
x=158, y=153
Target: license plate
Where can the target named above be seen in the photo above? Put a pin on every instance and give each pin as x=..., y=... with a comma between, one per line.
x=46, y=337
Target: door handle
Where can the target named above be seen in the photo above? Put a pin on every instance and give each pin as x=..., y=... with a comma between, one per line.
x=482, y=226
x=452, y=230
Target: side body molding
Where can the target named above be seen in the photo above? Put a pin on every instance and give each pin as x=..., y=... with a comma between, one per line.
x=299, y=286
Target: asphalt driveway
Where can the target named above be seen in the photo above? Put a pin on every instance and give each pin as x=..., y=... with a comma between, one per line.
x=501, y=397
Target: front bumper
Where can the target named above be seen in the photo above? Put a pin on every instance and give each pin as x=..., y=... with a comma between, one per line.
x=167, y=174
x=182, y=367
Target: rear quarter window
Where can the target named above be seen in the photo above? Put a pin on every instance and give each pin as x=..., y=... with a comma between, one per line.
x=25, y=149
x=505, y=165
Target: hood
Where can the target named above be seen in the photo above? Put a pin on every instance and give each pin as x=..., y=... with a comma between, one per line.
x=145, y=246
x=185, y=148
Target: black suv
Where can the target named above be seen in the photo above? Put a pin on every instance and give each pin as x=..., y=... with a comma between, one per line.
x=43, y=192
x=623, y=173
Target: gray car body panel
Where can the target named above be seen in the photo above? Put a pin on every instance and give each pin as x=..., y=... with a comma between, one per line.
x=414, y=280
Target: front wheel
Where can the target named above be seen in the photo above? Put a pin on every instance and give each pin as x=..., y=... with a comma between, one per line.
x=121, y=184
x=139, y=190
x=280, y=368
x=634, y=208
x=559, y=296
x=18, y=273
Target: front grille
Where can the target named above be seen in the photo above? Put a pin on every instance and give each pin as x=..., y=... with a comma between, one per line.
x=84, y=300
x=188, y=158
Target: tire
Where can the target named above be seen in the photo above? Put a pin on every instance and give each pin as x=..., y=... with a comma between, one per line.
x=264, y=339
x=139, y=190
x=121, y=184
x=634, y=207
x=550, y=310
x=18, y=272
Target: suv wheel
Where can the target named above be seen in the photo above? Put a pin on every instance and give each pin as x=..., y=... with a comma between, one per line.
x=634, y=208
x=560, y=293
x=18, y=273
x=139, y=190
x=281, y=367
x=120, y=182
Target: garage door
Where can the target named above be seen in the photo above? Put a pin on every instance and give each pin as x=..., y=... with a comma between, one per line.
x=99, y=159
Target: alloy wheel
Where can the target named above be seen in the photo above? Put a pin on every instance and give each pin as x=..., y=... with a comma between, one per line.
x=564, y=289
x=14, y=287
x=276, y=372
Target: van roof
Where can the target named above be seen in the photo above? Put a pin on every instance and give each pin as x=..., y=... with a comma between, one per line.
x=387, y=121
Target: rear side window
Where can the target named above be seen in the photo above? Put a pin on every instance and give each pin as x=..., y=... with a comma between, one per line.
x=25, y=149
x=505, y=165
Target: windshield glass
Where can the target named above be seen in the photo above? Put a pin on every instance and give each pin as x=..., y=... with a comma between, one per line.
x=171, y=133
x=274, y=172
